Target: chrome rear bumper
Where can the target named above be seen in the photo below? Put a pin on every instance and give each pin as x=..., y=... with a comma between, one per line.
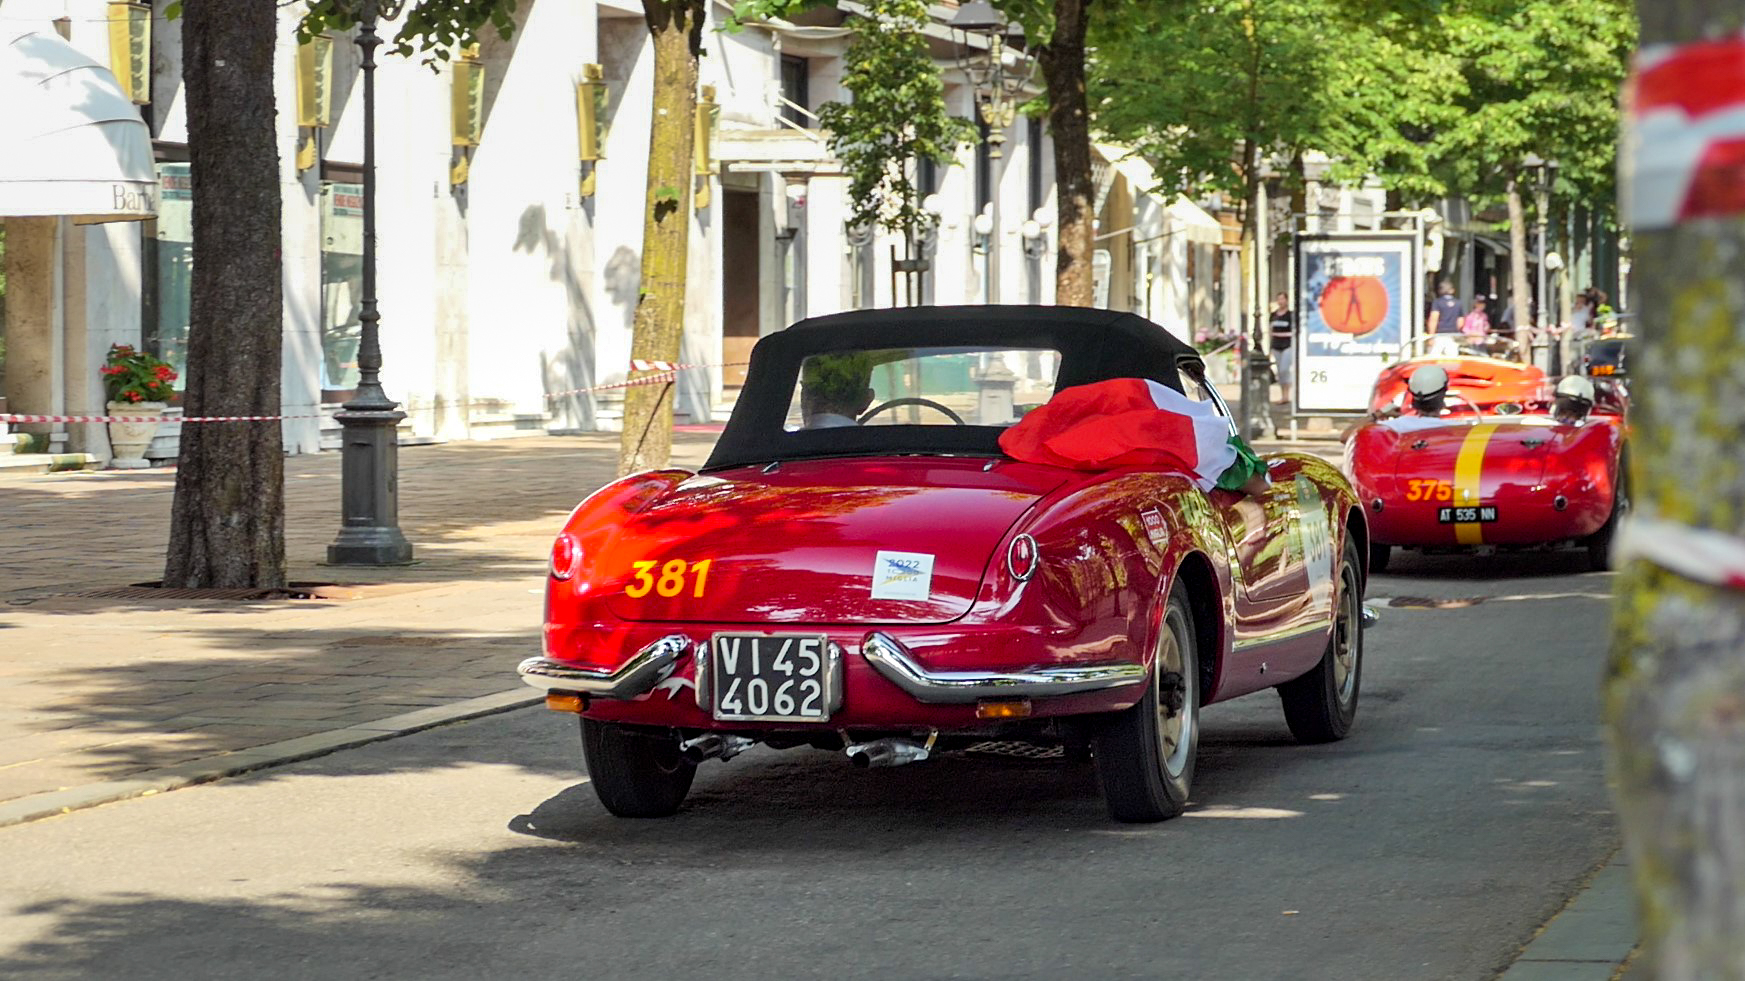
x=891, y=659
x=639, y=674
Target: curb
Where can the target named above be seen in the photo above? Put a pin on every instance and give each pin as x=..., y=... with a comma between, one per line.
x=1588, y=940
x=37, y=806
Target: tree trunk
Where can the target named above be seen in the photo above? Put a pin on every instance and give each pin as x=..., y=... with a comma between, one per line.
x=677, y=29
x=1675, y=685
x=1069, y=121
x=227, y=525
x=1520, y=296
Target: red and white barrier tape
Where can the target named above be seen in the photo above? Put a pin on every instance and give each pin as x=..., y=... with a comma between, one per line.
x=669, y=372
x=1699, y=554
x=12, y=417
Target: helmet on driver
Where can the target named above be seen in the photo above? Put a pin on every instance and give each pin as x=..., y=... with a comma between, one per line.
x=1428, y=388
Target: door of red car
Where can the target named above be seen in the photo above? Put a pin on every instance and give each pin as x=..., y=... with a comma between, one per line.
x=1272, y=591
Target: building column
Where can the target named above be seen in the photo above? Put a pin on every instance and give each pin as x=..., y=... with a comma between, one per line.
x=34, y=353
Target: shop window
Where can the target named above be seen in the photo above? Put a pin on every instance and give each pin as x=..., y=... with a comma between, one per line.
x=342, y=287
x=170, y=284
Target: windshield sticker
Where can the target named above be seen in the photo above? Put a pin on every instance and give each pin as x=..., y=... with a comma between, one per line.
x=902, y=576
x=1155, y=529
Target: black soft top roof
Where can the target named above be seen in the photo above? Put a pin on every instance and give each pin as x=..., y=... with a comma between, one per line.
x=1094, y=345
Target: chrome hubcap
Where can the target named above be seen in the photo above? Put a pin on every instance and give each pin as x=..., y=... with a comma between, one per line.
x=1347, y=638
x=1175, y=700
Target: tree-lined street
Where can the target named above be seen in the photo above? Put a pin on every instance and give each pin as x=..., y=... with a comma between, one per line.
x=1487, y=250
x=1464, y=813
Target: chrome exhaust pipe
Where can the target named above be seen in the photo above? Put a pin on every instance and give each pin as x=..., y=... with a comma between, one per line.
x=891, y=751
x=715, y=746
x=1370, y=616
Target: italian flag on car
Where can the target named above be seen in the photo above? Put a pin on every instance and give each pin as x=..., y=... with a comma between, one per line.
x=1133, y=422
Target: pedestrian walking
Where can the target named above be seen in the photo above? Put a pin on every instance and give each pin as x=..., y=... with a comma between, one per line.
x=1476, y=325
x=1605, y=318
x=1283, y=326
x=1581, y=314
x=1444, y=323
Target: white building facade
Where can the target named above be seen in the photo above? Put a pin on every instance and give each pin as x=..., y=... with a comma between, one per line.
x=508, y=270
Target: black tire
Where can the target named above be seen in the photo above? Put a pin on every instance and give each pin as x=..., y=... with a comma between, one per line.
x=1599, y=544
x=1146, y=774
x=1378, y=557
x=1321, y=706
x=636, y=774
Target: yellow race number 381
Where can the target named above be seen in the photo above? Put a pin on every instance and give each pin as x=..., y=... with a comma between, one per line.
x=670, y=580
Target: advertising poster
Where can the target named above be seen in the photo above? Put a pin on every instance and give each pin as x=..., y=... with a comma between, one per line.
x=1358, y=309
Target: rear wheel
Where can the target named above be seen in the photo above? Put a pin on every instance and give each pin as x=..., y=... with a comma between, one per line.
x=1321, y=706
x=637, y=774
x=1145, y=755
x=1599, y=544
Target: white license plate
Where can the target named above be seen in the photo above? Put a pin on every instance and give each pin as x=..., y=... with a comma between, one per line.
x=770, y=677
x=1483, y=514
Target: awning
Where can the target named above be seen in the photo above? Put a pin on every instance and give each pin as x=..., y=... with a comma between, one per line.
x=1185, y=219
x=1496, y=245
x=1193, y=223
x=75, y=146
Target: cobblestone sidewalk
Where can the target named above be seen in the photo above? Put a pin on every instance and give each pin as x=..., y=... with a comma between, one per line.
x=98, y=688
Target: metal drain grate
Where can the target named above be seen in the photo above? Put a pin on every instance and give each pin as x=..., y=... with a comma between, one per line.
x=1018, y=750
x=1426, y=603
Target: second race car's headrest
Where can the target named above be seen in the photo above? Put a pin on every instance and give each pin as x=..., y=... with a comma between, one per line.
x=1428, y=382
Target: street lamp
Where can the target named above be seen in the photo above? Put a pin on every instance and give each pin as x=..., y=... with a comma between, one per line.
x=996, y=98
x=1544, y=179
x=369, y=530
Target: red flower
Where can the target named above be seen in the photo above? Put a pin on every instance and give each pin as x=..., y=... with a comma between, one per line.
x=111, y=370
x=133, y=397
x=163, y=372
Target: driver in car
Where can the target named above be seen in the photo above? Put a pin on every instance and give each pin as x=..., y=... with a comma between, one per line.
x=834, y=390
x=1574, y=400
x=1428, y=390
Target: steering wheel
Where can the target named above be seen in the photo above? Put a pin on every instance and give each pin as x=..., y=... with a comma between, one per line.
x=1477, y=413
x=897, y=403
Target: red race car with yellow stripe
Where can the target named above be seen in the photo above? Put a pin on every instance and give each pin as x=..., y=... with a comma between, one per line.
x=1477, y=454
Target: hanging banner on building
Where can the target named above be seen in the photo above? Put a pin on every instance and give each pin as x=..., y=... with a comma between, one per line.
x=1358, y=309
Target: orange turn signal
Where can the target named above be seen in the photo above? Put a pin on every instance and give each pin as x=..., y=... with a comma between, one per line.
x=566, y=701
x=1010, y=708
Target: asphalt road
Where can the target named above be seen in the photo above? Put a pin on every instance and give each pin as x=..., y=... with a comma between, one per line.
x=1466, y=808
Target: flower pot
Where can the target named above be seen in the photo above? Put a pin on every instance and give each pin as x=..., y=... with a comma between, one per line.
x=128, y=440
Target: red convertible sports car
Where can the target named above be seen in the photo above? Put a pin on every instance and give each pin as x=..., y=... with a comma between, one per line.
x=859, y=568
x=1475, y=453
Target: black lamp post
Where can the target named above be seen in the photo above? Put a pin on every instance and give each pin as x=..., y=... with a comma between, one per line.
x=1544, y=179
x=369, y=531
x=996, y=93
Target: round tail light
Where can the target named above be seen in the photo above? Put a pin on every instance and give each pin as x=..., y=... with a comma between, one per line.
x=566, y=557
x=1022, y=558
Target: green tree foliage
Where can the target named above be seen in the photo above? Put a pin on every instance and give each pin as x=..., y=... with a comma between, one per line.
x=897, y=116
x=1431, y=97
x=1208, y=91
x=1535, y=76
x=437, y=28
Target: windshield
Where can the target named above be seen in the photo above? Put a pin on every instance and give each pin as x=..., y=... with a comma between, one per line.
x=921, y=386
